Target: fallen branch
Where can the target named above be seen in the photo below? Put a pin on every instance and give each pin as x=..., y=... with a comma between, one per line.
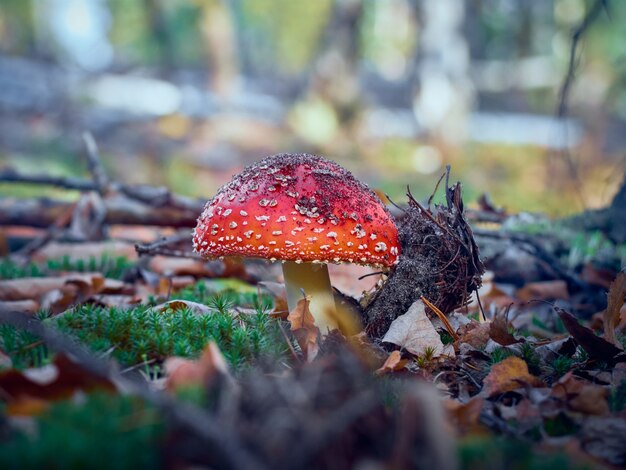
x=120, y=210
x=154, y=196
x=165, y=245
x=530, y=245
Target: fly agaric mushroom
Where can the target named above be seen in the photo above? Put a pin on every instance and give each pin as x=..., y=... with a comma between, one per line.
x=306, y=211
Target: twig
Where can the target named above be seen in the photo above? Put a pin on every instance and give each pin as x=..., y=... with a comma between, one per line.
x=225, y=448
x=164, y=247
x=538, y=252
x=577, y=34
x=441, y=316
x=155, y=196
x=562, y=108
x=94, y=164
x=432, y=196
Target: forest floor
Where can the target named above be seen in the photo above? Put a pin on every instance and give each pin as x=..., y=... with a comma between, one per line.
x=119, y=351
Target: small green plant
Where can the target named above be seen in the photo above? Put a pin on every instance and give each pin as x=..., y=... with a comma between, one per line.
x=111, y=267
x=501, y=452
x=499, y=354
x=9, y=269
x=144, y=335
x=617, y=399
x=528, y=354
x=562, y=365
x=424, y=359
x=446, y=338
x=101, y=431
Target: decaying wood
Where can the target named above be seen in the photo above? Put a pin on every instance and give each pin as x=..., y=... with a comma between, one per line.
x=120, y=210
x=439, y=260
x=154, y=196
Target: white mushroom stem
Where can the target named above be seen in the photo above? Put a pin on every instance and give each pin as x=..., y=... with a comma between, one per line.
x=313, y=279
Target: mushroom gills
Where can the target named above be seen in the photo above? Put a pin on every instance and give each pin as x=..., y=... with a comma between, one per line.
x=313, y=279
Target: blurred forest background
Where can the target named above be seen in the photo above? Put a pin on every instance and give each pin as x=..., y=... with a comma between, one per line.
x=187, y=92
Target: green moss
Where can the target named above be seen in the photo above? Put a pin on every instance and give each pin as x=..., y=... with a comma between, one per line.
x=111, y=267
x=141, y=333
x=486, y=453
x=500, y=354
x=617, y=400
x=103, y=431
x=562, y=365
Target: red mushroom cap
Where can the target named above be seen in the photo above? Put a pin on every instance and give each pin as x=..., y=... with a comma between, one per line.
x=298, y=208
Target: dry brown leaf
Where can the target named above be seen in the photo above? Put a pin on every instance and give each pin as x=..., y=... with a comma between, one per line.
x=466, y=416
x=278, y=291
x=182, y=372
x=52, y=382
x=304, y=329
x=510, y=374
x=114, y=300
x=545, y=290
x=34, y=288
x=371, y=354
x=581, y=396
x=178, y=304
x=414, y=332
x=476, y=334
x=597, y=276
x=499, y=332
x=616, y=296
x=592, y=400
x=596, y=347
x=393, y=363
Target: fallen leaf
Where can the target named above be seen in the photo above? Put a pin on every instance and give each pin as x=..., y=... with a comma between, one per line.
x=114, y=300
x=499, y=332
x=596, y=347
x=27, y=406
x=414, y=332
x=597, y=276
x=34, y=288
x=54, y=381
x=475, y=334
x=615, y=301
x=544, y=290
x=466, y=416
x=279, y=293
x=182, y=372
x=177, y=304
x=592, y=400
x=509, y=374
x=393, y=363
x=304, y=329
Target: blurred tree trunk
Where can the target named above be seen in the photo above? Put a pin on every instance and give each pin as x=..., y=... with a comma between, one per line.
x=444, y=92
x=161, y=34
x=220, y=40
x=335, y=74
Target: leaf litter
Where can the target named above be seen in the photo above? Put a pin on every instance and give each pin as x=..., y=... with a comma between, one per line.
x=503, y=365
